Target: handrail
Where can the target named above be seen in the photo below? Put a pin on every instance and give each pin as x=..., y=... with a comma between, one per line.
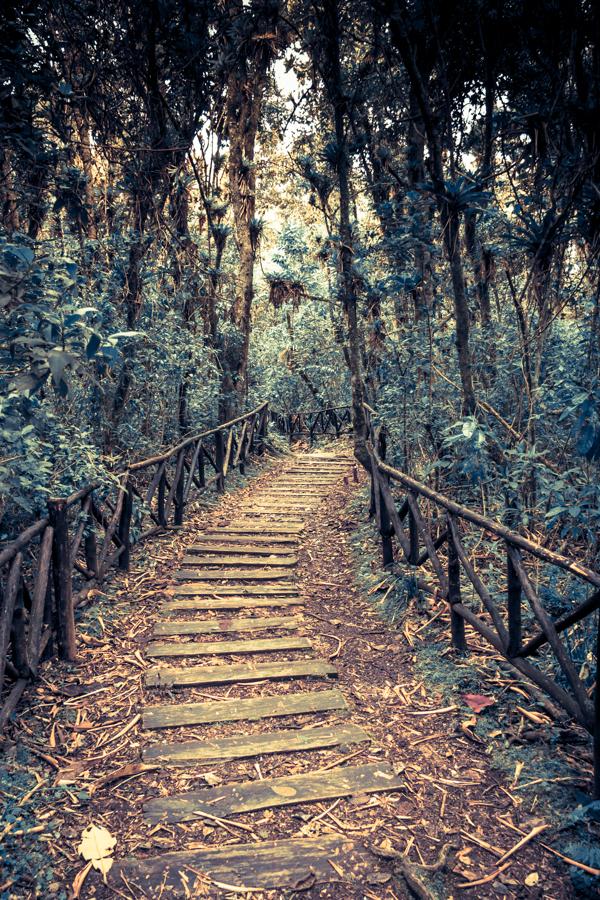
x=144, y=463
x=420, y=540
x=501, y=531
x=85, y=535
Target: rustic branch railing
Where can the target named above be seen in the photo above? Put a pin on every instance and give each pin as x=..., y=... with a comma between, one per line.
x=334, y=421
x=420, y=535
x=51, y=566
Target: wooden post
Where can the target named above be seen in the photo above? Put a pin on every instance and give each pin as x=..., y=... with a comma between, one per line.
x=124, y=528
x=201, y=475
x=160, y=499
x=385, y=529
x=38, y=601
x=262, y=434
x=179, y=489
x=514, y=609
x=457, y=623
x=18, y=635
x=413, y=534
x=219, y=460
x=62, y=580
x=7, y=607
x=90, y=546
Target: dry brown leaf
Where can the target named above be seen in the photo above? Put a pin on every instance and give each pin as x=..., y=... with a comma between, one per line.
x=478, y=702
x=79, y=880
x=122, y=772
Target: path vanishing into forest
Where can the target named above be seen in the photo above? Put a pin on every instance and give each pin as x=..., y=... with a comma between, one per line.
x=235, y=618
x=286, y=744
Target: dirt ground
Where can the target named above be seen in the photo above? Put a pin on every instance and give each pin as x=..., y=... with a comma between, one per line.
x=452, y=825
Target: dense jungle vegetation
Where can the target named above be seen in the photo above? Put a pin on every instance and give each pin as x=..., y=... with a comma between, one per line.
x=208, y=204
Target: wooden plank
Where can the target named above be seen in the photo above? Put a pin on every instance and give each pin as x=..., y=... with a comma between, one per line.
x=269, y=793
x=250, y=709
x=226, y=625
x=244, y=746
x=250, y=525
x=278, y=671
x=268, y=865
x=233, y=602
x=232, y=574
x=208, y=547
x=285, y=543
x=219, y=648
x=283, y=589
x=231, y=559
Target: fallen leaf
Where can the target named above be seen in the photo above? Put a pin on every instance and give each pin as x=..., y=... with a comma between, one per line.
x=212, y=779
x=79, y=879
x=122, y=772
x=97, y=845
x=478, y=702
x=532, y=879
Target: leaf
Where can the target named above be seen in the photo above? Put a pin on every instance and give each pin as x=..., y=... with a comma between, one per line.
x=79, y=879
x=532, y=879
x=123, y=772
x=97, y=845
x=212, y=779
x=478, y=702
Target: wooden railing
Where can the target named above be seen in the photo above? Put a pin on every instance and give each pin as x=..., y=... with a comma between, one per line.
x=333, y=421
x=51, y=566
x=425, y=527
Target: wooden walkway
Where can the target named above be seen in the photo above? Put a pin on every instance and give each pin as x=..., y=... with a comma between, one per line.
x=234, y=618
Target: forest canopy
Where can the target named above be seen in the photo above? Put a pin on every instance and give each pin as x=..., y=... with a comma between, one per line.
x=205, y=205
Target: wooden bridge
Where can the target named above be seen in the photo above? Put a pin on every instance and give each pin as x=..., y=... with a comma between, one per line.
x=233, y=619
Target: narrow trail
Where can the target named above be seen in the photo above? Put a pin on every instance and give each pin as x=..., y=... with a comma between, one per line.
x=234, y=623
x=244, y=721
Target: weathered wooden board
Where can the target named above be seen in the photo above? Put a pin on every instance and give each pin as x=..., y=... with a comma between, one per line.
x=220, y=648
x=239, y=559
x=282, y=589
x=250, y=709
x=225, y=626
x=233, y=602
x=257, y=538
x=244, y=549
x=252, y=526
x=243, y=746
x=228, y=800
x=198, y=675
x=232, y=574
x=269, y=865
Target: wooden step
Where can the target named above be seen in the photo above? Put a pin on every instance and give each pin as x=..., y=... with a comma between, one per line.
x=228, y=800
x=250, y=709
x=243, y=746
x=284, y=543
x=232, y=574
x=239, y=559
x=208, y=547
x=233, y=602
x=225, y=626
x=261, y=529
x=195, y=589
x=220, y=648
x=239, y=673
x=246, y=519
x=268, y=865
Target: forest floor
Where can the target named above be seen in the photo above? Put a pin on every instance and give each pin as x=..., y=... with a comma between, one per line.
x=475, y=783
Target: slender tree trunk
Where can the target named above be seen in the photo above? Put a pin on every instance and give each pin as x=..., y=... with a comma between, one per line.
x=335, y=89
